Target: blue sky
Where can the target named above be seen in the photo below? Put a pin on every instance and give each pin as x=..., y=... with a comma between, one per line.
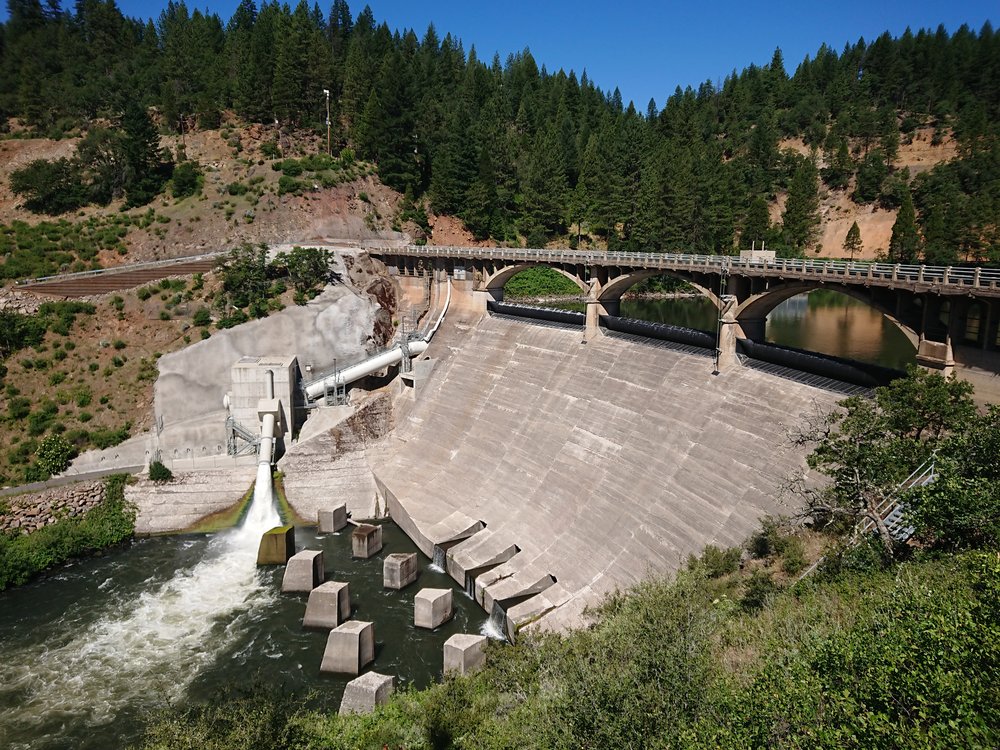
x=648, y=48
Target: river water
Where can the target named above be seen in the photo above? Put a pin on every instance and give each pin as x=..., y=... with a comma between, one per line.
x=90, y=651
x=821, y=321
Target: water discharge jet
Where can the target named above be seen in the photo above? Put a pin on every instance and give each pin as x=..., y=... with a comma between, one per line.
x=144, y=649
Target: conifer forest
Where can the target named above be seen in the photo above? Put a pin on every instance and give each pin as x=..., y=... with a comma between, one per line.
x=522, y=153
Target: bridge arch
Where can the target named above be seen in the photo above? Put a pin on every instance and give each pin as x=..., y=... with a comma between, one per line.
x=495, y=282
x=616, y=287
x=754, y=309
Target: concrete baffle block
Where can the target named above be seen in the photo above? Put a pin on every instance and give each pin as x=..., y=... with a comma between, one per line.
x=304, y=571
x=332, y=519
x=363, y=693
x=329, y=605
x=276, y=546
x=432, y=607
x=349, y=648
x=366, y=540
x=464, y=653
x=399, y=570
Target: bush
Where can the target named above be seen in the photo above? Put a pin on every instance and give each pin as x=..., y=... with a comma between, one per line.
x=159, y=473
x=186, y=180
x=718, y=562
x=54, y=454
x=760, y=589
x=202, y=317
x=106, y=438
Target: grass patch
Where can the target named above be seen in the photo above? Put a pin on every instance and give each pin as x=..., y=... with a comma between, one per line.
x=285, y=510
x=223, y=519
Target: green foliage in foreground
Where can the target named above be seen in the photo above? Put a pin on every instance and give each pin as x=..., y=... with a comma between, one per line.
x=905, y=657
x=22, y=556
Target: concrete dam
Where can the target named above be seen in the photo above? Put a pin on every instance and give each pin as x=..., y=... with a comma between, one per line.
x=552, y=472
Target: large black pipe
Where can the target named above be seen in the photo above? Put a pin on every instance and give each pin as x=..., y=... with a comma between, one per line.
x=836, y=368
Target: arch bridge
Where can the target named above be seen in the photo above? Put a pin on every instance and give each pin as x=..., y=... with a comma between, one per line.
x=940, y=309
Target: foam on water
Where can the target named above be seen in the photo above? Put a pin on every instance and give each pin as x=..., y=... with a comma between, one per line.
x=152, y=647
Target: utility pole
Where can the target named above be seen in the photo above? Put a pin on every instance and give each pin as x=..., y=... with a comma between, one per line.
x=327, y=92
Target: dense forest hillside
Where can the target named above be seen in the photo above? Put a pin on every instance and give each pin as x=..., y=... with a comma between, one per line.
x=524, y=154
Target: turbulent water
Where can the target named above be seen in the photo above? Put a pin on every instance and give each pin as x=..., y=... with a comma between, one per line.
x=146, y=648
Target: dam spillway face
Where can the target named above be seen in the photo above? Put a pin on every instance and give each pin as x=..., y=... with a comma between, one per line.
x=277, y=546
x=597, y=466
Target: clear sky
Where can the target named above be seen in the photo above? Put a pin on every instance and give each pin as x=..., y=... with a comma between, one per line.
x=645, y=47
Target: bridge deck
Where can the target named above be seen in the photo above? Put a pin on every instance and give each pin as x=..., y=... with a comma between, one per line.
x=981, y=281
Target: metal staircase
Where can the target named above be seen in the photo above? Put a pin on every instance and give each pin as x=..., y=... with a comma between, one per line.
x=236, y=432
x=892, y=509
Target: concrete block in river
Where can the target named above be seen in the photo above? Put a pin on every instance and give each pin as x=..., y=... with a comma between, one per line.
x=399, y=570
x=304, y=571
x=329, y=605
x=332, y=519
x=349, y=648
x=363, y=693
x=366, y=540
x=464, y=653
x=432, y=607
x=276, y=546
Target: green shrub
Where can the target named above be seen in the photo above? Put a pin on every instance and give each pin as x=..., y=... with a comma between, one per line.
x=793, y=557
x=719, y=562
x=202, y=317
x=236, y=188
x=106, y=438
x=159, y=473
x=143, y=294
x=186, y=180
x=119, y=344
x=54, y=454
x=760, y=589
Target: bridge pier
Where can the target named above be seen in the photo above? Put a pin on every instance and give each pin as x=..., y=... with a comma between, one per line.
x=595, y=309
x=726, y=352
x=936, y=356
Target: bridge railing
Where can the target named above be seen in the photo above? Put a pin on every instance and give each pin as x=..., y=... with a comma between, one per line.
x=976, y=278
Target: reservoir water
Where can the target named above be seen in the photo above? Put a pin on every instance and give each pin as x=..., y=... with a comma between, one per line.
x=821, y=321
x=91, y=650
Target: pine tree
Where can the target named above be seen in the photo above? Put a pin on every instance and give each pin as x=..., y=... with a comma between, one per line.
x=852, y=242
x=140, y=154
x=801, y=217
x=904, y=245
x=756, y=225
